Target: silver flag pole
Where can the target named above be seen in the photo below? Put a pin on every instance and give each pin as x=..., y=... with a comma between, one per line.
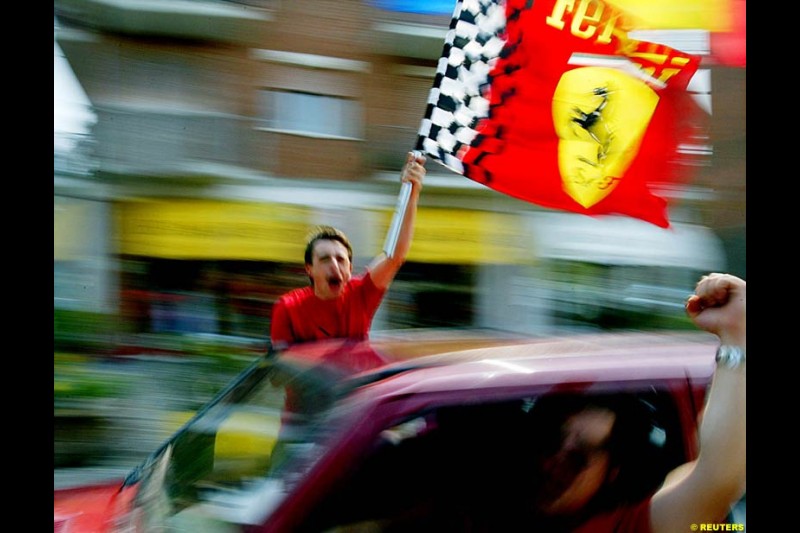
x=397, y=219
x=393, y=234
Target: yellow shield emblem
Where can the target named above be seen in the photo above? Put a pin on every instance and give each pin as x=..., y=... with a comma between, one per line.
x=600, y=116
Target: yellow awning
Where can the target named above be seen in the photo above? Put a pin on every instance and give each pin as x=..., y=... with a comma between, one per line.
x=462, y=236
x=209, y=229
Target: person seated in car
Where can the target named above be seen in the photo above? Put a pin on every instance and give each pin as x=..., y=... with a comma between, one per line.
x=574, y=481
x=587, y=454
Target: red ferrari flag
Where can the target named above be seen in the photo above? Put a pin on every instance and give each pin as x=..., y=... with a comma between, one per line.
x=551, y=101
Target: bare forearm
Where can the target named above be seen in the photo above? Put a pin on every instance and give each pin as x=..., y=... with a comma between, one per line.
x=723, y=439
x=383, y=268
x=704, y=490
x=723, y=432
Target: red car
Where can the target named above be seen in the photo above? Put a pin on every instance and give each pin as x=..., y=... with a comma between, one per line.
x=344, y=435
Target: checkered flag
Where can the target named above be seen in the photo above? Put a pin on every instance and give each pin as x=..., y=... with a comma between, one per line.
x=540, y=101
x=459, y=98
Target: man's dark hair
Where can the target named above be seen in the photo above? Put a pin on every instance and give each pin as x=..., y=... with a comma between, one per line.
x=639, y=459
x=328, y=233
x=640, y=464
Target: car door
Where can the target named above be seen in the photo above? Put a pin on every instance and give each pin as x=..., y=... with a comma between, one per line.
x=456, y=461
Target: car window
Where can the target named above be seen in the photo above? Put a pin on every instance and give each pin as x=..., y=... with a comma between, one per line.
x=461, y=466
x=238, y=458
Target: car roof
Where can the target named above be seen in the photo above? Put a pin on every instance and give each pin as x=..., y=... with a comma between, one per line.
x=420, y=363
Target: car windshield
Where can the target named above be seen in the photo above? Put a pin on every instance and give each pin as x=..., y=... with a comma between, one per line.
x=242, y=453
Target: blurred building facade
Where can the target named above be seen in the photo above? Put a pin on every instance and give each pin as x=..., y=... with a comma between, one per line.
x=226, y=129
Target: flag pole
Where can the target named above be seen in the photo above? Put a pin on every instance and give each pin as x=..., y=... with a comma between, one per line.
x=393, y=234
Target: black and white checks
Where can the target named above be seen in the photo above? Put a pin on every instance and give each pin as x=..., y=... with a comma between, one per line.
x=460, y=95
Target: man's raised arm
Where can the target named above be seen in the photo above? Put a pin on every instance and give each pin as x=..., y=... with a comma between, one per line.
x=703, y=491
x=383, y=269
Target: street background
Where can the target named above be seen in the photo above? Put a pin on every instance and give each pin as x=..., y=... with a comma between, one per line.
x=194, y=147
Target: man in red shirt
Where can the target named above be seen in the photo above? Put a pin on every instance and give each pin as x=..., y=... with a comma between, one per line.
x=337, y=304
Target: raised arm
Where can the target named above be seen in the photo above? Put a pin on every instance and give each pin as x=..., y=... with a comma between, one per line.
x=383, y=269
x=704, y=490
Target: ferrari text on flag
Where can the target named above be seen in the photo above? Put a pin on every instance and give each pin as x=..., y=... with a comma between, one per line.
x=551, y=101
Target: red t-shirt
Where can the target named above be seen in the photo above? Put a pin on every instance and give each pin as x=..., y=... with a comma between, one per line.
x=514, y=515
x=630, y=519
x=300, y=316
x=627, y=518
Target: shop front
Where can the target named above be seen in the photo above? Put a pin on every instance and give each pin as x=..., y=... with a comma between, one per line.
x=216, y=267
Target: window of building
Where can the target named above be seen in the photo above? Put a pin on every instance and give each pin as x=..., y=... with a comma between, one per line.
x=310, y=114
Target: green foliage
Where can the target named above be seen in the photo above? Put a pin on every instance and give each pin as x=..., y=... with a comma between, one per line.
x=81, y=330
x=75, y=380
